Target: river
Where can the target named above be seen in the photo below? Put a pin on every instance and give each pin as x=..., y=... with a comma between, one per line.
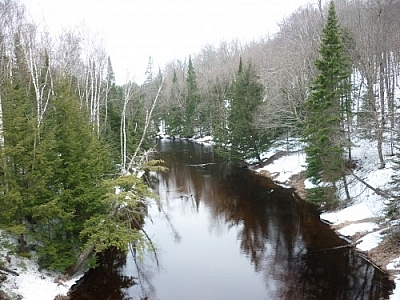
x=223, y=234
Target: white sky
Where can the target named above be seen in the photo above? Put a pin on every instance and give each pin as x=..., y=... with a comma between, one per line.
x=133, y=30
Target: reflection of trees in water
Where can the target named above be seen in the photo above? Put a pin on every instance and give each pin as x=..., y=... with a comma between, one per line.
x=280, y=235
x=105, y=281
x=283, y=238
x=336, y=274
x=145, y=274
x=191, y=180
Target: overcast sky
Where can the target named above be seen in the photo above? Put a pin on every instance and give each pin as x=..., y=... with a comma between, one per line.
x=133, y=30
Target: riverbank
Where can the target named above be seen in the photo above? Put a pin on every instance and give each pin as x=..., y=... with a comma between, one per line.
x=361, y=221
x=24, y=280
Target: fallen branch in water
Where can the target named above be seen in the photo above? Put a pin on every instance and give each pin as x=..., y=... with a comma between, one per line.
x=202, y=165
x=352, y=245
x=372, y=263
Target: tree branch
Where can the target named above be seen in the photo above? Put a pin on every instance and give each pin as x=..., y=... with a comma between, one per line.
x=378, y=191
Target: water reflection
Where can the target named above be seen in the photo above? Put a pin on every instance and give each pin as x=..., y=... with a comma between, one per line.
x=105, y=281
x=225, y=236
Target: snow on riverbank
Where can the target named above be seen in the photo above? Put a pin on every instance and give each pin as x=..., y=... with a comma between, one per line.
x=363, y=217
x=31, y=284
x=34, y=285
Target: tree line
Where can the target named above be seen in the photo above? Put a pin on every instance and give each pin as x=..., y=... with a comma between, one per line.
x=327, y=79
x=72, y=144
x=72, y=141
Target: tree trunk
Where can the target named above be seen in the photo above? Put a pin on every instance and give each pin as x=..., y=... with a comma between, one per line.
x=377, y=123
x=382, y=113
x=81, y=260
x=346, y=188
x=149, y=115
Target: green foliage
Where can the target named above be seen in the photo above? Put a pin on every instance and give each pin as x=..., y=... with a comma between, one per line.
x=121, y=225
x=241, y=138
x=154, y=165
x=320, y=195
x=187, y=117
x=111, y=113
x=57, y=180
x=393, y=205
x=192, y=100
x=17, y=162
x=56, y=255
x=327, y=107
x=106, y=233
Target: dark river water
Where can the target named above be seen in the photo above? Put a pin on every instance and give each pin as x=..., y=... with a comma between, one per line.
x=222, y=234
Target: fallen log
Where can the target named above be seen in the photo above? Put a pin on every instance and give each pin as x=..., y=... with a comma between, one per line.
x=363, y=256
x=378, y=191
x=8, y=271
x=351, y=245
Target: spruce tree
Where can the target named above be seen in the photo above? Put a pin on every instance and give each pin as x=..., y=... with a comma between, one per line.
x=174, y=118
x=326, y=106
x=191, y=116
x=17, y=157
x=393, y=204
x=73, y=171
x=244, y=139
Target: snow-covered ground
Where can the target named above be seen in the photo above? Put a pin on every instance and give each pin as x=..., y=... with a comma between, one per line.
x=31, y=283
x=365, y=204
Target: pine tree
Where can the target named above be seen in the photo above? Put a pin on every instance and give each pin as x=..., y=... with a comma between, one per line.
x=174, y=116
x=74, y=165
x=326, y=106
x=393, y=205
x=17, y=159
x=246, y=95
x=191, y=116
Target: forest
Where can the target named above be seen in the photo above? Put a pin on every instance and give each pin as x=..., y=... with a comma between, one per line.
x=73, y=143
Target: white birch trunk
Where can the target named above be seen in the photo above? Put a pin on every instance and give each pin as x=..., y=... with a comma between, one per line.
x=149, y=115
x=123, y=135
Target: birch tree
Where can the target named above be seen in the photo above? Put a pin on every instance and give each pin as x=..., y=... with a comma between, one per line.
x=128, y=94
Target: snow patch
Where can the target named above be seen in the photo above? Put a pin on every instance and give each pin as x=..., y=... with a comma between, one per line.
x=370, y=241
x=396, y=291
x=362, y=228
x=353, y=213
x=33, y=284
x=285, y=167
x=393, y=264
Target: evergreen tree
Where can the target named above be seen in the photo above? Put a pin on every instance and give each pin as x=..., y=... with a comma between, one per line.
x=110, y=112
x=175, y=115
x=78, y=164
x=244, y=139
x=149, y=71
x=17, y=157
x=325, y=108
x=111, y=136
x=191, y=116
x=393, y=204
